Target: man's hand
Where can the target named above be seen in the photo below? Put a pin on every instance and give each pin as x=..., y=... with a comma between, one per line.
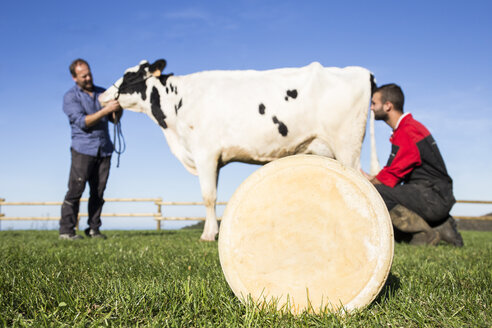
x=371, y=178
x=365, y=174
x=111, y=107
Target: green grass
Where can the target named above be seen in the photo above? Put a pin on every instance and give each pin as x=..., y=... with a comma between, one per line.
x=170, y=279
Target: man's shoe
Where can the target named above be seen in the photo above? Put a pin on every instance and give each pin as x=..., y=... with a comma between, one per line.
x=430, y=237
x=449, y=232
x=410, y=222
x=91, y=233
x=70, y=236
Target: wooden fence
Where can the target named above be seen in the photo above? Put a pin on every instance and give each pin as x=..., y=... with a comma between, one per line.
x=482, y=218
x=158, y=214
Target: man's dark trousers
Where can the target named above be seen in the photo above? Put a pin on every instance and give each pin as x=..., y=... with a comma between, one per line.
x=430, y=202
x=85, y=168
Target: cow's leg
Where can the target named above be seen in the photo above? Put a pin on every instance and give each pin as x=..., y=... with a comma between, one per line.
x=349, y=157
x=349, y=144
x=208, y=173
x=347, y=150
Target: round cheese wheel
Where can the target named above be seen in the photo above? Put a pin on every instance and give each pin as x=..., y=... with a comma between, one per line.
x=306, y=234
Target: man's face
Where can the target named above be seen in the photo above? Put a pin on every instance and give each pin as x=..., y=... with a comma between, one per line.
x=377, y=107
x=83, y=77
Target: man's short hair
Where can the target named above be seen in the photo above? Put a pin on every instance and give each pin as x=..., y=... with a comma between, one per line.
x=392, y=93
x=75, y=63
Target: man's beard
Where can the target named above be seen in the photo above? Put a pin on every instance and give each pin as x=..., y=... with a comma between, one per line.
x=87, y=86
x=380, y=115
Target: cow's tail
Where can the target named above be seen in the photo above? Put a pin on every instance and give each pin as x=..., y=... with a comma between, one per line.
x=375, y=167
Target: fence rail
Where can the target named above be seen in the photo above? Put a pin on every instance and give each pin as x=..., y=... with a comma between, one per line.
x=158, y=214
x=474, y=201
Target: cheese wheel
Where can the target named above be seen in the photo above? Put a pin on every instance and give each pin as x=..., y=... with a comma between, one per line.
x=306, y=234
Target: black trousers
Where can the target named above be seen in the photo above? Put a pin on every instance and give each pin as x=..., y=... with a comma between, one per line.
x=85, y=168
x=430, y=202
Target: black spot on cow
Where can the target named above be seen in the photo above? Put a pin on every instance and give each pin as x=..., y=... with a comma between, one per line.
x=171, y=86
x=155, y=105
x=374, y=86
x=282, y=128
x=178, y=106
x=167, y=90
x=163, y=78
x=261, y=109
x=135, y=82
x=292, y=94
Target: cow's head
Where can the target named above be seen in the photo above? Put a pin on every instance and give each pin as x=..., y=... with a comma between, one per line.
x=131, y=89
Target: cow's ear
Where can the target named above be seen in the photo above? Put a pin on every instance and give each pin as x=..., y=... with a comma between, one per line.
x=157, y=67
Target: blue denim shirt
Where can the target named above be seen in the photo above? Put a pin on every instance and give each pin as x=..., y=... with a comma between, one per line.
x=91, y=141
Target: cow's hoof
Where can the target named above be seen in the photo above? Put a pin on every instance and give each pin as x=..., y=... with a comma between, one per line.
x=207, y=238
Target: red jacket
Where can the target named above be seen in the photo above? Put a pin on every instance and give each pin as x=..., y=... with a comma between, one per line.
x=414, y=157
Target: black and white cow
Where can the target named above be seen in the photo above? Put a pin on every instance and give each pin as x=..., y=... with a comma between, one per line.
x=212, y=118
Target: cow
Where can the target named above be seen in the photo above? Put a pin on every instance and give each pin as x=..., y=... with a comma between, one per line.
x=212, y=118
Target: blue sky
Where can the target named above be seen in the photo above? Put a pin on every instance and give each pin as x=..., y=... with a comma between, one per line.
x=438, y=51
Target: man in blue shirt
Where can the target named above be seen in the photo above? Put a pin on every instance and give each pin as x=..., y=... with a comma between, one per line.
x=91, y=150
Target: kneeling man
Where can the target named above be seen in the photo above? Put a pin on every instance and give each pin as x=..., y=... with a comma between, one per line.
x=414, y=184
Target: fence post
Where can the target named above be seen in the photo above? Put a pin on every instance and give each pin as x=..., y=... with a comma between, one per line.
x=1, y=200
x=159, y=211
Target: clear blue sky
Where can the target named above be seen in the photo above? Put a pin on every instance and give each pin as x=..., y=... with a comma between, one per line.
x=438, y=51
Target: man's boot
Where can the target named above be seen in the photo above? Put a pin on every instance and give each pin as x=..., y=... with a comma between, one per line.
x=408, y=221
x=449, y=232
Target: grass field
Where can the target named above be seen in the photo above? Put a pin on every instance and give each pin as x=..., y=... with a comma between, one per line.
x=170, y=279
